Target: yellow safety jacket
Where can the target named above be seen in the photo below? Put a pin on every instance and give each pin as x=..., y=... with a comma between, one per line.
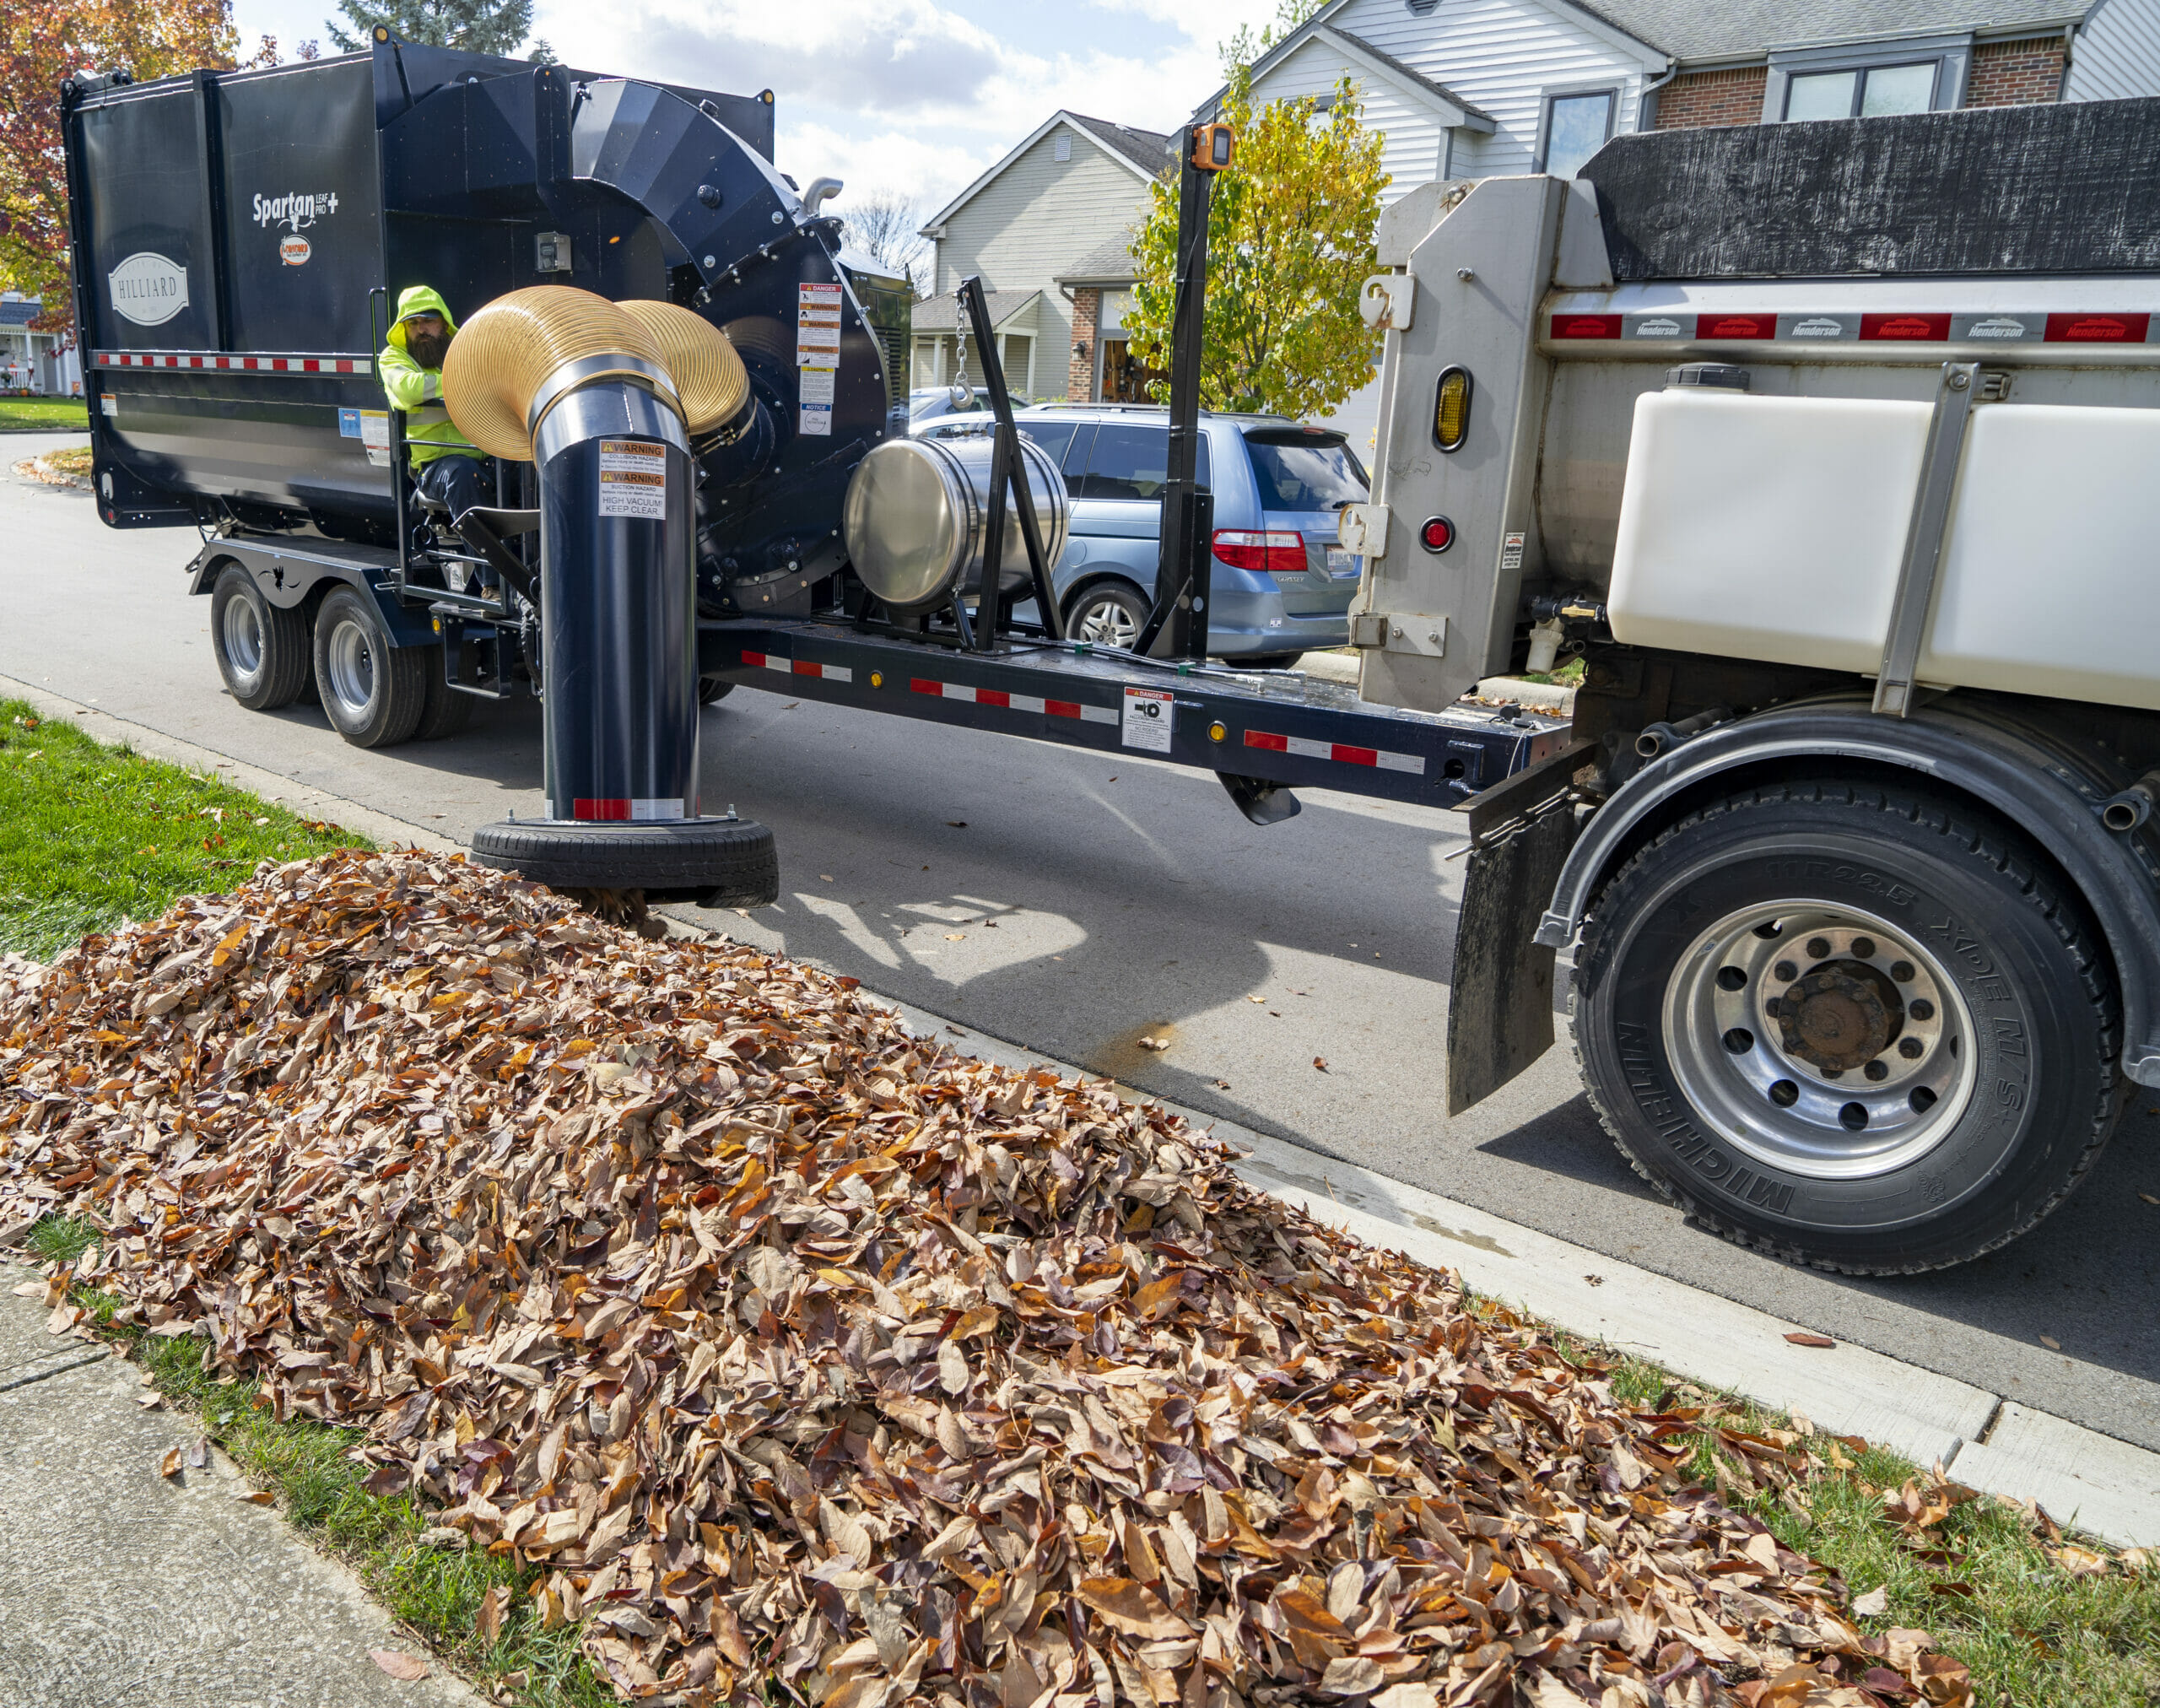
x=429, y=432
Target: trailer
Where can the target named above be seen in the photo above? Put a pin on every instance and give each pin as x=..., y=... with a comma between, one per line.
x=1827, y=447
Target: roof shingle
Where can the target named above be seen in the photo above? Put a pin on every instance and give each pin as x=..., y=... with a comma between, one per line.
x=1695, y=30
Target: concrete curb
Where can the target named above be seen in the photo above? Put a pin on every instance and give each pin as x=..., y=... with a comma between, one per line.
x=2106, y=1486
x=378, y=827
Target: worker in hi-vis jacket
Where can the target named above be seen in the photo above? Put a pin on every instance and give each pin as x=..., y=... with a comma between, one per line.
x=447, y=465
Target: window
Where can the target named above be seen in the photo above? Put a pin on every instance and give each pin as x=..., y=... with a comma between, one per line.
x=1865, y=92
x=1306, y=471
x=1062, y=149
x=1576, y=126
x=1054, y=437
x=1132, y=464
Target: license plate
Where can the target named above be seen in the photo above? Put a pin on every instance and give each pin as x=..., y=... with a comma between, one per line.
x=1341, y=563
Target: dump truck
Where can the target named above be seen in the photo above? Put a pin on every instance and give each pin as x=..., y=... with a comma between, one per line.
x=1825, y=447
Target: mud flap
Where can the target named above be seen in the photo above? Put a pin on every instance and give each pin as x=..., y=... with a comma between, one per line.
x=1500, y=992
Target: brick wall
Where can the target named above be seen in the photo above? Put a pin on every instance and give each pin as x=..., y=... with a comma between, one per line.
x=1080, y=379
x=2013, y=73
x=1729, y=97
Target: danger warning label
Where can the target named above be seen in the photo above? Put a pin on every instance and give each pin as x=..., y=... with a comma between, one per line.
x=633, y=480
x=1147, y=714
x=817, y=355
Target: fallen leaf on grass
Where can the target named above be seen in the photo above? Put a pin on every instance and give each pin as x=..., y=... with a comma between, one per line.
x=409, y=1668
x=1802, y=1337
x=1873, y=1604
x=488, y=1620
x=2079, y=1562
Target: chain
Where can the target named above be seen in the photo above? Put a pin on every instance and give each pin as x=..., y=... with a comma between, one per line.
x=961, y=394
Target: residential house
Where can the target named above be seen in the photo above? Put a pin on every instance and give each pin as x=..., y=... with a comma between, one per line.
x=1047, y=229
x=38, y=362
x=1474, y=88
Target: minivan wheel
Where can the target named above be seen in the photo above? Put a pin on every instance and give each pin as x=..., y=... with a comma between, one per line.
x=262, y=648
x=1111, y=613
x=1852, y=1026
x=373, y=692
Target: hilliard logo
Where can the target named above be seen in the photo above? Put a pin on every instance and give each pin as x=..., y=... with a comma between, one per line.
x=148, y=290
x=295, y=213
x=294, y=252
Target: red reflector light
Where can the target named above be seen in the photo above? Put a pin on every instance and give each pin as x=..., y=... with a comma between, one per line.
x=1437, y=535
x=1736, y=325
x=1586, y=326
x=1277, y=552
x=1904, y=328
x=604, y=812
x=2097, y=328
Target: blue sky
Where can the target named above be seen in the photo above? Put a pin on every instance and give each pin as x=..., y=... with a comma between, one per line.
x=917, y=96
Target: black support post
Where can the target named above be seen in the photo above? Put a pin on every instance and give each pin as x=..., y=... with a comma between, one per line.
x=1007, y=467
x=1177, y=627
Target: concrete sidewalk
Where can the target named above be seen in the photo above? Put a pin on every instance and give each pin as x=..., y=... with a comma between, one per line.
x=122, y=1586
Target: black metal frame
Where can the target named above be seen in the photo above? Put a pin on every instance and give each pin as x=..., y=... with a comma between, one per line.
x=1008, y=470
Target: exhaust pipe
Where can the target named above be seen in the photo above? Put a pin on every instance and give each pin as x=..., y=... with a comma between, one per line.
x=604, y=399
x=1657, y=738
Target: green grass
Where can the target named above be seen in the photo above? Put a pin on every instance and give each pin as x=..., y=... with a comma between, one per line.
x=1569, y=675
x=92, y=835
x=58, y=414
x=435, y=1592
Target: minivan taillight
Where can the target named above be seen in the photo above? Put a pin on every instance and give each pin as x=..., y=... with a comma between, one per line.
x=1281, y=552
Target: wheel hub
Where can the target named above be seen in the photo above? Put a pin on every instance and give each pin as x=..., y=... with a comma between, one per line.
x=1841, y=1016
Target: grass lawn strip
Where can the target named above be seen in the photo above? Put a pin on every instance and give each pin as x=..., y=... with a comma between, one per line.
x=53, y=415
x=92, y=835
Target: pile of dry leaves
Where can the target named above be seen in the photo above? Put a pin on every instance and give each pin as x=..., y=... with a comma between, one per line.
x=810, y=1361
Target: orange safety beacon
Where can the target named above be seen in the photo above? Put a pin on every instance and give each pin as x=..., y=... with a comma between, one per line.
x=1211, y=147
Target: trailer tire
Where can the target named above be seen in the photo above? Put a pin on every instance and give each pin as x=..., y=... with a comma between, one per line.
x=1856, y=1026
x=446, y=712
x=712, y=689
x=374, y=692
x=722, y=863
x=262, y=648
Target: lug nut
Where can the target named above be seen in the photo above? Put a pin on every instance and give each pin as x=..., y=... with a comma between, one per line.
x=1864, y=947
x=1902, y=971
x=1785, y=972
x=1818, y=946
x=1910, y=1048
x=1921, y=1008
x=1877, y=1070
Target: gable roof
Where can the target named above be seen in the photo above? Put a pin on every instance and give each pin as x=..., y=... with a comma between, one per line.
x=1728, y=29
x=1111, y=264
x=1472, y=118
x=1142, y=152
x=941, y=313
x=20, y=314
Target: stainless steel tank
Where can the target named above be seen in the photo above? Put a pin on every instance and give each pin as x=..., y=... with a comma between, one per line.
x=917, y=517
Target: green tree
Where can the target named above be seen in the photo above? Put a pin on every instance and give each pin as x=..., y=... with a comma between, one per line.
x=473, y=26
x=1289, y=245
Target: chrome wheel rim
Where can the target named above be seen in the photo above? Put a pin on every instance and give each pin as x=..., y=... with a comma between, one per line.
x=1107, y=623
x=351, y=659
x=242, y=634
x=1819, y=1039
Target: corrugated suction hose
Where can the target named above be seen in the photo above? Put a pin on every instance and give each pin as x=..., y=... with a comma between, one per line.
x=513, y=360
x=710, y=381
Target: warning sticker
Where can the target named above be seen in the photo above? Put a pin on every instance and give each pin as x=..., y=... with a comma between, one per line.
x=817, y=325
x=1148, y=715
x=817, y=385
x=633, y=480
x=1511, y=551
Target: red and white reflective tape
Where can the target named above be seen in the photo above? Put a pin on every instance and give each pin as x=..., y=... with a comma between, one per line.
x=236, y=364
x=1014, y=702
x=1919, y=327
x=798, y=666
x=1342, y=752
x=595, y=811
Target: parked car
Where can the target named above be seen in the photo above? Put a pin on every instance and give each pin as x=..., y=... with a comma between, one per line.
x=930, y=402
x=1281, y=586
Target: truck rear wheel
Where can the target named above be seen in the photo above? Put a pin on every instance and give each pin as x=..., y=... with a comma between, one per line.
x=1856, y=1027
x=374, y=693
x=262, y=648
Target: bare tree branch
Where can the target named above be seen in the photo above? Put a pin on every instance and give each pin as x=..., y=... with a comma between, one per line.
x=886, y=225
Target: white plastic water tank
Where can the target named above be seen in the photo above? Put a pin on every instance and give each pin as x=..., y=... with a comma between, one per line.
x=1773, y=528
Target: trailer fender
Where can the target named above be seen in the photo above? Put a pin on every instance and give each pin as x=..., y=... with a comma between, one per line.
x=290, y=575
x=2017, y=768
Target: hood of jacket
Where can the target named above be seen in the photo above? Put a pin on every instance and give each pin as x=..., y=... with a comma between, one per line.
x=419, y=299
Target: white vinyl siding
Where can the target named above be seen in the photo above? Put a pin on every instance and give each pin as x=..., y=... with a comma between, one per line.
x=1038, y=218
x=2117, y=55
x=1415, y=142
x=1503, y=56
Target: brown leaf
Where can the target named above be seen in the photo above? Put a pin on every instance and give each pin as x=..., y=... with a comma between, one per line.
x=1803, y=1337
x=1130, y=1607
x=1874, y=1603
x=1321, y=1062
x=488, y=1620
x=2050, y=1341
x=399, y=1665
x=169, y=1462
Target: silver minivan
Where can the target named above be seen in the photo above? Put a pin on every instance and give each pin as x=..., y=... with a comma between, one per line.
x=1280, y=584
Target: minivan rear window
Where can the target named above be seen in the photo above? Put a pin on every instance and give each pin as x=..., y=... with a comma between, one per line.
x=1308, y=471
x=1132, y=462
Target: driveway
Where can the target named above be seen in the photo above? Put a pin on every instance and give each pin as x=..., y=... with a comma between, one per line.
x=1075, y=904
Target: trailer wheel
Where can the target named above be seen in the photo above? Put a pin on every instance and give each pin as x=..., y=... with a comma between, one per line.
x=712, y=688
x=446, y=712
x=262, y=648
x=1856, y=1027
x=723, y=862
x=373, y=692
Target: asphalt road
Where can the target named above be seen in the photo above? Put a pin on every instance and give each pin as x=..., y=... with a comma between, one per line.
x=1074, y=905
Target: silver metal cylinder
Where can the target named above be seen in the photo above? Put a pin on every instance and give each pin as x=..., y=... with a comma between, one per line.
x=916, y=519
